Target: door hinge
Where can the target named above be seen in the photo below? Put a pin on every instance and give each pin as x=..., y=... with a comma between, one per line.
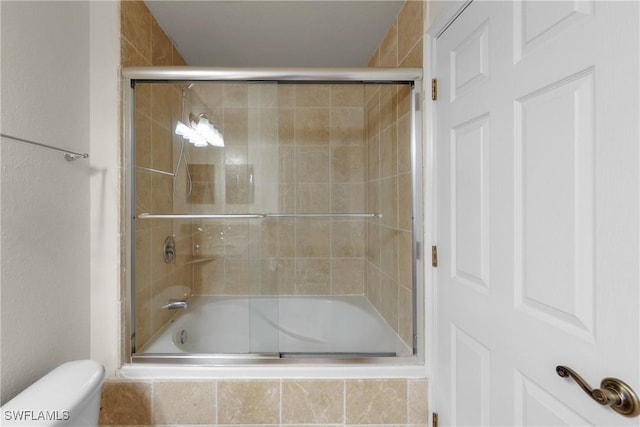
x=434, y=419
x=434, y=256
x=434, y=89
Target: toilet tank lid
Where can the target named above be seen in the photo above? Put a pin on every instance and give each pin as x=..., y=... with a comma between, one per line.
x=64, y=388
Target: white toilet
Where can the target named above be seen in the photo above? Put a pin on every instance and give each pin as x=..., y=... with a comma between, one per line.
x=67, y=396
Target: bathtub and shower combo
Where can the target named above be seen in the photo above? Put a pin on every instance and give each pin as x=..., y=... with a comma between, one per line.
x=275, y=216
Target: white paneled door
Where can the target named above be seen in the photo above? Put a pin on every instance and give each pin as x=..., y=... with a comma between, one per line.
x=538, y=189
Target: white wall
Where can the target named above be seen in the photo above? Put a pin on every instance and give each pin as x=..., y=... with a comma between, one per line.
x=105, y=183
x=44, y=200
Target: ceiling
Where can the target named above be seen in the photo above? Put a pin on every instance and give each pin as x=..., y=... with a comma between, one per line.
x=266, y=33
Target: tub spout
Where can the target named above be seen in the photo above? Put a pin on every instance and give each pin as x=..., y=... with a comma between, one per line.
x=175, y=304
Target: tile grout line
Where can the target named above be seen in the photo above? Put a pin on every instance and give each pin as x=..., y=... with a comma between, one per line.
x=151, y=406
x=406, y=403
x=280, y=404
x=331, y=171
x=215, y=392
x=295, y=191
x=344, y=402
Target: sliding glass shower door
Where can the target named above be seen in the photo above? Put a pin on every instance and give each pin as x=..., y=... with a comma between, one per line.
x=290, y=235
x=209, y=200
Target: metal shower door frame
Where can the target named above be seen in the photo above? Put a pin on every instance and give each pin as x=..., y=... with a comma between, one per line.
x=133, y=75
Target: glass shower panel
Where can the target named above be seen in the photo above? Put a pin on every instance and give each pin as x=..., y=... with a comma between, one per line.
x=217, y=255
x=158, y=277
x=294, y=239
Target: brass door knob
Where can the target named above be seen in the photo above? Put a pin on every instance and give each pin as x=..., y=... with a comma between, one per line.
x=612, y=392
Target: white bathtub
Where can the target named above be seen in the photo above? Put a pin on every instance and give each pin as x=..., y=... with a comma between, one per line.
x=284, y=326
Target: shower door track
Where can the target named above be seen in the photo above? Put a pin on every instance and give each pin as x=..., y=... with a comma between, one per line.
x=259, y=215
x=212, y=359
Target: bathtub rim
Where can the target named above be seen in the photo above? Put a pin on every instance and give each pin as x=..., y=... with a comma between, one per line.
x=243, y=359
x=373, y=368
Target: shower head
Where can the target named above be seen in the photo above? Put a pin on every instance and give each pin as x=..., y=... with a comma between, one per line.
x=201, y=131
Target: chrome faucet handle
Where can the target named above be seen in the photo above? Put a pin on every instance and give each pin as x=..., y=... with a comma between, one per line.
x=175, y=304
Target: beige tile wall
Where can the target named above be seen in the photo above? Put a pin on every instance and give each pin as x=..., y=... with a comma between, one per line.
x=311, y=138
x=322, y=171
x=388, y=249
x=398, y=402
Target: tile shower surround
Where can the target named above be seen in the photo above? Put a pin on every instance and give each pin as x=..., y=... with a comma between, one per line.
x=257, y=402
x=340, y=148
x=318, y=161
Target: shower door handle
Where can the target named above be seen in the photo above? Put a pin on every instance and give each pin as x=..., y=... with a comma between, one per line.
x=612, y=392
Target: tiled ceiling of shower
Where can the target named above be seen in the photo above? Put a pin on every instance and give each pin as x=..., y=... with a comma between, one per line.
x=299, y=33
